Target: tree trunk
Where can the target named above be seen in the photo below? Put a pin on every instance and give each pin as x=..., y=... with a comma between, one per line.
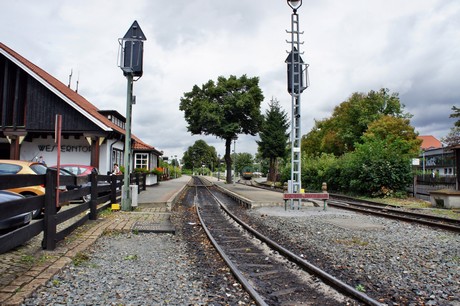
x=228, y=159
x=272, y=170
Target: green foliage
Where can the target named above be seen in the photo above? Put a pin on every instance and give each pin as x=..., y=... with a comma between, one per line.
x=350, y=120
x=377, y=169
x=456, y=114
x=273, y=136
x=200, y=154
x=243, y=160
x=453, y=138
x=141, y=170
x=224, y=109
x=157, y=172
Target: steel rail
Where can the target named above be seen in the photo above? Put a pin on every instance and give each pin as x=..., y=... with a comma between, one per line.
x=235, y=271
x=336, y=283
x=305, y=265
x=403, y=216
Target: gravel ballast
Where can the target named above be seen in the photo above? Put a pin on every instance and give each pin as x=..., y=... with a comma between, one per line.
x=396, y=263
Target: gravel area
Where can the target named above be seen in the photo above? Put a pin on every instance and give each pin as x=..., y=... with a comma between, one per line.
x=396, y=263
x=146, y=269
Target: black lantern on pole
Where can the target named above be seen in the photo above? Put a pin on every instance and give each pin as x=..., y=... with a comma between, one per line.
x=295, y=69
x=131, y=60
x=132, y=52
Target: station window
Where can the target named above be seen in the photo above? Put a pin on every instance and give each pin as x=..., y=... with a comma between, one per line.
x=141, y=160
x=117, y=157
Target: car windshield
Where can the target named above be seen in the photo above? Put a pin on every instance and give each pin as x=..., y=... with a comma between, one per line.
x=9, y=169
x=38, y=168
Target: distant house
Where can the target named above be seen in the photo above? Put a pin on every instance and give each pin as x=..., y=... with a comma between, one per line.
x=429, y=142
x=30, y=98
x=436, y=159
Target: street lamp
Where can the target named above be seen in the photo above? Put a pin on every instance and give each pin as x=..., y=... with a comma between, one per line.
x=175, y=170
x=234, y=162
x=218, y=167
x=294, y=4
x=296, y=77
x=131, y=60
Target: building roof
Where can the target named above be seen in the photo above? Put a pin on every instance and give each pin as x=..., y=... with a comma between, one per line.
x=75, y=100
x=429, y=142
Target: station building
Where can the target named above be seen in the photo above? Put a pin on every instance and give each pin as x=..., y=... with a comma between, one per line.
x=30, y=99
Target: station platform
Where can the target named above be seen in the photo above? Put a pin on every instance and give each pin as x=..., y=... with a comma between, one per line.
x=165, y=193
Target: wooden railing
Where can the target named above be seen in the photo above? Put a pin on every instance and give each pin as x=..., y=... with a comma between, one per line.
x=104, y=190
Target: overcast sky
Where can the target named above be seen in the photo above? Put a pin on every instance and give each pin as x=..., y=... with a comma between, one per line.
x=411, y=47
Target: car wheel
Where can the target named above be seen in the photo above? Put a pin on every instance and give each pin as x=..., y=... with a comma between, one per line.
x=86, y=198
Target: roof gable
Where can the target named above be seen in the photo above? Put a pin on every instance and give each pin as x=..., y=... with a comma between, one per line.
x=78, y=102
x=429, y=142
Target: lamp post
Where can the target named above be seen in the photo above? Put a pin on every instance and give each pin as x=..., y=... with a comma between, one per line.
x=296, y=77
x=174, y=166
x=234, y=162
x=218, y=167
x=131, y=60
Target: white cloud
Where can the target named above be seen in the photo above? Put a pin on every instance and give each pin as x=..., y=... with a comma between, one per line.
x=410, y=47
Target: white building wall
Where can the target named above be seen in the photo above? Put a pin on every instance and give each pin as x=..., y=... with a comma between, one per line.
x=73, y=151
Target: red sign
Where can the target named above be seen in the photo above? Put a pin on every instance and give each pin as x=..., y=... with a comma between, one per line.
x=319, y=196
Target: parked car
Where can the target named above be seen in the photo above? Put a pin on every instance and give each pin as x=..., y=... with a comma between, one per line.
x=73, y=169
x=9, y=167
x=65, y=172
x=79, y=170
x=16, y=221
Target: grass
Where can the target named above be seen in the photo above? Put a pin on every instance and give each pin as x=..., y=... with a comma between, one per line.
x=360, y=288
x=80, y=259
x=417, y=204
x=28, y=259
x=131, y=257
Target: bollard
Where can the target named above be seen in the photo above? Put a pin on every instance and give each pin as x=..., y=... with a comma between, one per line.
x=324, y=189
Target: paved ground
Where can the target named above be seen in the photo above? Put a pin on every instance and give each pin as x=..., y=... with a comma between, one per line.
x=28, y=267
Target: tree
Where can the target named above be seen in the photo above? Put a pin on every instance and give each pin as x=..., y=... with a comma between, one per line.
x=243, y=160
x=273, y=136
x=456, y=114
x=343, y=130
x=394, y=130
x=226, y=109
x=200, y=154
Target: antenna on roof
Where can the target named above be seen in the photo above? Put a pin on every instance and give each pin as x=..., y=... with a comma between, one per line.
x=78, y=80
x=70, y=77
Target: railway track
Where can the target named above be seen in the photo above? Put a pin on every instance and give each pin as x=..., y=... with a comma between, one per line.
x=383, y=210
x=394, y=213
x=271, y=274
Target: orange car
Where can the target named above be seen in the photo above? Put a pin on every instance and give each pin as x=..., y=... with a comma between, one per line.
x=8, y=167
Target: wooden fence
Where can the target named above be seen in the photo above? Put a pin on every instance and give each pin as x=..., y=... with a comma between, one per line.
x=104, y=191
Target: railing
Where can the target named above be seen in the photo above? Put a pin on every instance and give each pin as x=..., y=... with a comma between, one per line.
x=104, y=190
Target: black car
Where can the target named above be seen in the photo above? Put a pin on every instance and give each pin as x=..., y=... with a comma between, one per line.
x=16, y=221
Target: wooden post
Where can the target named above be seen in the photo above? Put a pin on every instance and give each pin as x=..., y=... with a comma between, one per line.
x=49, y=219
x=113, y=189
x=93, y=203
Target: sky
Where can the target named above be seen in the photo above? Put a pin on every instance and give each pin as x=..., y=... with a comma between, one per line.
x=411, y=47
